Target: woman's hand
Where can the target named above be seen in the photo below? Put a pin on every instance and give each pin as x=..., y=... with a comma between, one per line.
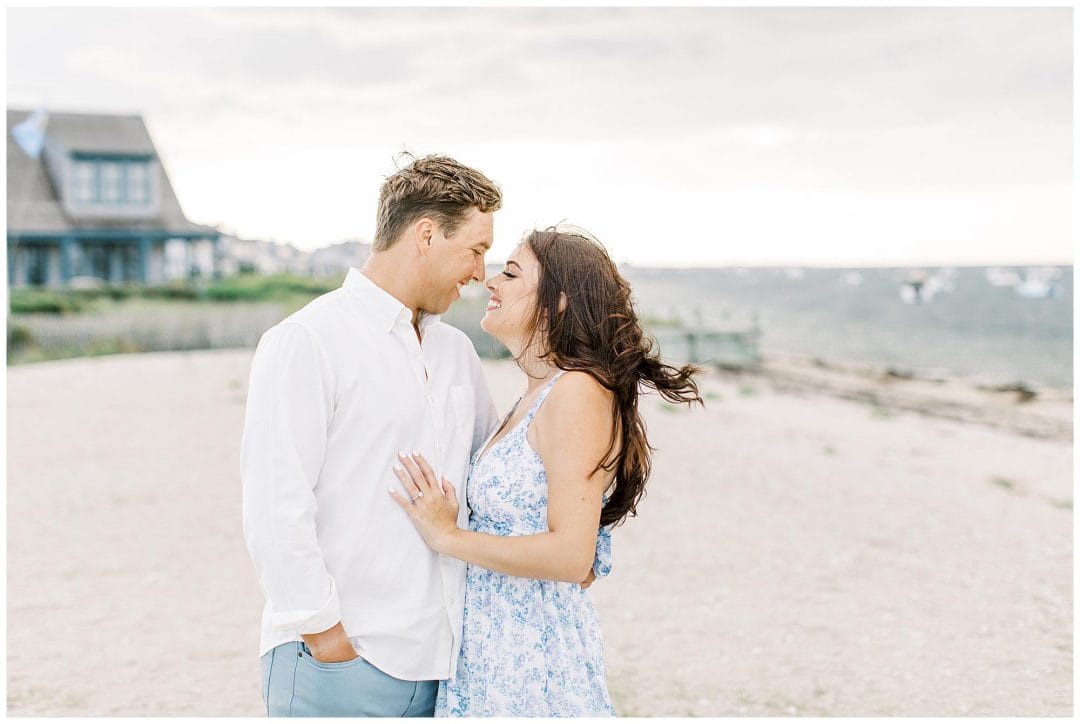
x=433, y=508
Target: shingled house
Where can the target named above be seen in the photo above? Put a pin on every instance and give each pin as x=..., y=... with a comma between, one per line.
x=96, y=203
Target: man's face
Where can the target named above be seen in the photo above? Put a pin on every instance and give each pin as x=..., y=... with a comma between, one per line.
x=457, y=260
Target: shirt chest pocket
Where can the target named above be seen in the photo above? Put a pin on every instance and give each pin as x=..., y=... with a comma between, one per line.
x=461, y=414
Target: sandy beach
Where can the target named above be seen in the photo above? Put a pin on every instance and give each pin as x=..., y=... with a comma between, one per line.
x=812, y=543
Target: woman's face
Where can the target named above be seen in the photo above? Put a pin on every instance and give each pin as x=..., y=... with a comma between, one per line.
x=513, y=298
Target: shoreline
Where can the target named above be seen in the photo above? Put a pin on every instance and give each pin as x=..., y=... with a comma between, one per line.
x=1034, y=411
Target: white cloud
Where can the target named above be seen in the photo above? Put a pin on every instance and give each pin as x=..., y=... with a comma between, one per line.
x=281, y=121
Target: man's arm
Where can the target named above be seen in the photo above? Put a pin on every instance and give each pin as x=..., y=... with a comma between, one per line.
x=289, y=407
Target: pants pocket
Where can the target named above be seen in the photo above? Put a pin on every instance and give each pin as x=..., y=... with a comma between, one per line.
x=423, y=701
x=349, y=688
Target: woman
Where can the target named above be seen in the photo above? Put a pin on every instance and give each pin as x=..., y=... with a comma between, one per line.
x=570, y=456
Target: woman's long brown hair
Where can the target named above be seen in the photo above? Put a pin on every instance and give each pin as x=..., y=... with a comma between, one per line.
x=598, y=332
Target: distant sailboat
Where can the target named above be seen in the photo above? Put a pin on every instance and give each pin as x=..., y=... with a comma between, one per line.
x=919, y=287
x=1039, y=282
x=910, y=291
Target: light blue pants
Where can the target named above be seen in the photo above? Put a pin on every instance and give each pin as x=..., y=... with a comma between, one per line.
x=295, y=684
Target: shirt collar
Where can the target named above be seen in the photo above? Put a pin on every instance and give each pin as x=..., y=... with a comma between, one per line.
x=386, y=309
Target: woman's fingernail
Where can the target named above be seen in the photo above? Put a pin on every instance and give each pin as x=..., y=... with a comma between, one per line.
x=401, y=454
x=398, y=469
x=415, y=454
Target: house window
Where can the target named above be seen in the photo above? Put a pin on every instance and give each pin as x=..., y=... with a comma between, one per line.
x=138, y=183
x=110, y=178
x=112, y=181
x=84, y=181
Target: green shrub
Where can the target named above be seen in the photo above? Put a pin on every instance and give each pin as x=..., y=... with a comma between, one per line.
x=297, y=290
x=109, y=346
x=268, y=288
x=17, y=337
x=178, y=289
x=37, y=301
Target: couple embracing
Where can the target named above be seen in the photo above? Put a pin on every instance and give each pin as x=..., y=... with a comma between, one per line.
x=419, y=554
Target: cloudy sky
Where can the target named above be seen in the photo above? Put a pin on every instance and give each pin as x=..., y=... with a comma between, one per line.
x=691, y=136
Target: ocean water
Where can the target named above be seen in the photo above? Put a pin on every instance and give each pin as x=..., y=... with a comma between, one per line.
x=968, y=327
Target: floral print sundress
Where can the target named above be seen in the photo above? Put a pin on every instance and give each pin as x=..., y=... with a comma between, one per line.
x=529, y=647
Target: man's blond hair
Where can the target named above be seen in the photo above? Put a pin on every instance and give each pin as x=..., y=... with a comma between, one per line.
x=437, y=187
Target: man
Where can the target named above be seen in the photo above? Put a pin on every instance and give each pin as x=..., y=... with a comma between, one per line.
x=362, y=619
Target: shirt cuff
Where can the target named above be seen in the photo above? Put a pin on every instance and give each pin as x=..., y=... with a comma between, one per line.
x=308, y=621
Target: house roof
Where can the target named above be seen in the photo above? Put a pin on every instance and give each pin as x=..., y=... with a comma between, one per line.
x=33, y=202
x=96, y=133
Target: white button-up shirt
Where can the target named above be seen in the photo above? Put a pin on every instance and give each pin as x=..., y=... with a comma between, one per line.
x=336, y=390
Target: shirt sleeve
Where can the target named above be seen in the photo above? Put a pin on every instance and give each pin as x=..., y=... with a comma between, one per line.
x=289, y=407
x=487, y=416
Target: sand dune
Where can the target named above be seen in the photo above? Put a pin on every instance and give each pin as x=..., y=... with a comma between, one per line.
x=797, y=553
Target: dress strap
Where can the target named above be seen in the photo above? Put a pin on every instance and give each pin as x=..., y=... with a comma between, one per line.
x=541, y=397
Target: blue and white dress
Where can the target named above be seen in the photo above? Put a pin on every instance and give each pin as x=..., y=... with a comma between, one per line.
x=529, y=648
